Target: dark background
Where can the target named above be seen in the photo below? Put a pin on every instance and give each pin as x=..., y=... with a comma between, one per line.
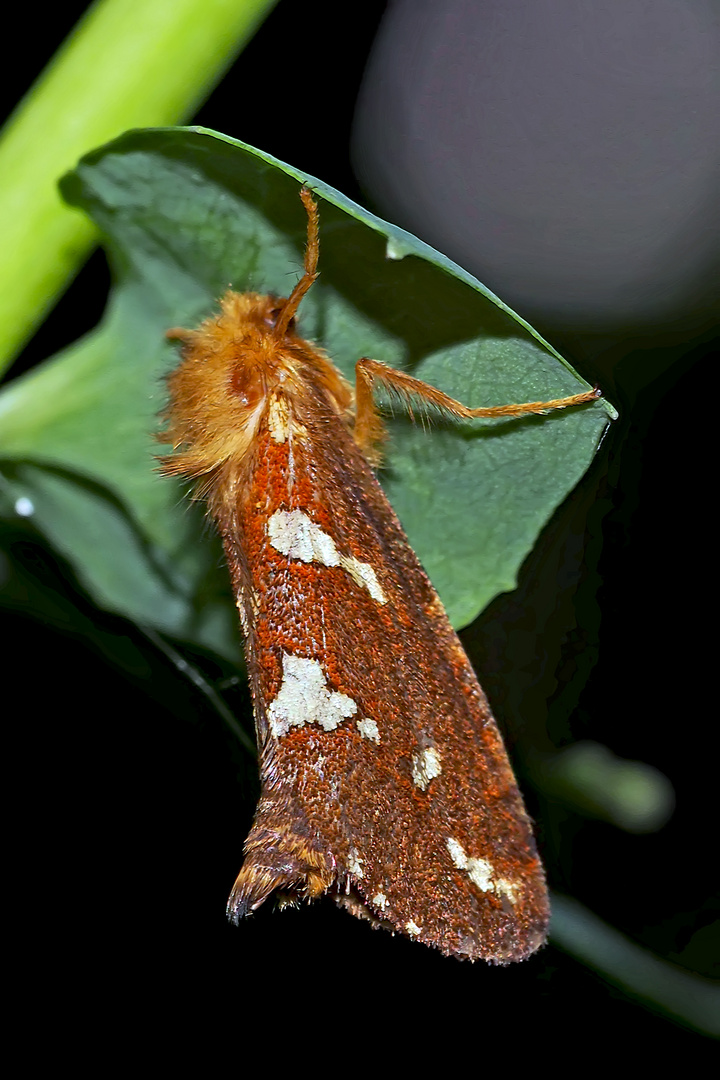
x=132, y=800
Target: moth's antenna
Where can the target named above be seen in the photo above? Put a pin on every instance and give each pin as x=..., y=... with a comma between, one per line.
x=312, y=252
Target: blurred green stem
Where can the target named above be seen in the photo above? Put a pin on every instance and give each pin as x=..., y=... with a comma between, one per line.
x=691, y=999
x=128, y=63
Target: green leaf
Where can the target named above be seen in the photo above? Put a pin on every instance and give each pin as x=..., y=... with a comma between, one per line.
x=187, y=212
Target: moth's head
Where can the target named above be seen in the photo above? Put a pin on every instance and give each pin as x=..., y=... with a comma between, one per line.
x=233, y=365
x=218, y=392
x=271, y=311
x=248, y=317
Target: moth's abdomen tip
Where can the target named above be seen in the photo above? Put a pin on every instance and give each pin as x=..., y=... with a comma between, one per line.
x=253, y=886
x=277, y=859
x=237, y=909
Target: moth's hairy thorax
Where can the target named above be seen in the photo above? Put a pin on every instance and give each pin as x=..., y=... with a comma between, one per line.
x=251, y=378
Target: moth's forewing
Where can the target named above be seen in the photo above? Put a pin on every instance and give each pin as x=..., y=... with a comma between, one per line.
x=384, y=776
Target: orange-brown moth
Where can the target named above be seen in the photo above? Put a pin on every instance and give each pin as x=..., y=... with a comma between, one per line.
x=384, y=777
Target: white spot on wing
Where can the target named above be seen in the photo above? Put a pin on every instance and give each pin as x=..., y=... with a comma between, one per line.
x=363, y=574
x=412, y=928
x=379, y=900
x=278, y=419
x=304, y=698
x=425, y=767
x=355, y=865
x=457, y=853
x=368, y=729
x=481, y=872
x=507, y=888
x=293, y=533
x=243, y=617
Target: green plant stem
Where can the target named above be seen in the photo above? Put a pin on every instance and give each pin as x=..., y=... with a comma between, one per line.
x=128, y=63
x=693, y=1000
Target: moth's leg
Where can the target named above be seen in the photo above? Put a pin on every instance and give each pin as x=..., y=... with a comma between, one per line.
x=369, y=428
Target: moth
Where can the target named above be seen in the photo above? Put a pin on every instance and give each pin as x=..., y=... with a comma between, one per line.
x=384, y=779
